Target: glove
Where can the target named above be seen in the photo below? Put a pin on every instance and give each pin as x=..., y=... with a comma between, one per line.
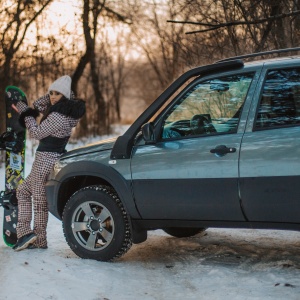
x=29, y=112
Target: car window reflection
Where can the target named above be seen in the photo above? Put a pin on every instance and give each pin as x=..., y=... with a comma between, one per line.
x=208, y=108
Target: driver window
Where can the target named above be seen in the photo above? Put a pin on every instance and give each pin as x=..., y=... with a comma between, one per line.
x=210, y=107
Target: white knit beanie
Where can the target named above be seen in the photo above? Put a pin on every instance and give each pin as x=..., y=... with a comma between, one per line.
x=62, y=85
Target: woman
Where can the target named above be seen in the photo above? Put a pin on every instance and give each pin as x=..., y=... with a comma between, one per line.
x=61, y=112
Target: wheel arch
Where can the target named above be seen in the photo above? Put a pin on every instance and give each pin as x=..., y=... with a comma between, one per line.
x=78, y=175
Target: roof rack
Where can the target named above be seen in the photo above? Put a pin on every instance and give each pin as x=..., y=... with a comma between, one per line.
x=261, y=54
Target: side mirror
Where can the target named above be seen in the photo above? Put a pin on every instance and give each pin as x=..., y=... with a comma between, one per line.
x=148, y=133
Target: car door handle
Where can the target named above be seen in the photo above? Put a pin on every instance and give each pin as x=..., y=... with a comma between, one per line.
x=222, y=150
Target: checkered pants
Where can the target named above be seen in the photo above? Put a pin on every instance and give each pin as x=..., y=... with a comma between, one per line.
x=32, y=191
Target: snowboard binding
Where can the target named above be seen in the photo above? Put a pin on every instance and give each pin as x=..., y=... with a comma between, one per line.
x=10, y=141
x=8, y=200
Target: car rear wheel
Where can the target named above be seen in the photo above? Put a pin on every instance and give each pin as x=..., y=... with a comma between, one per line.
x=96, y=225
x=183, y=232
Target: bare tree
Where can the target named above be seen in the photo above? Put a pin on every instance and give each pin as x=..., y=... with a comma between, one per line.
x=244, y=26
x=90, y=17
x=16, y=17
x=162, y=43
x=114, y=71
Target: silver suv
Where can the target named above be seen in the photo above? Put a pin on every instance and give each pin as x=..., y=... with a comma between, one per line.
x=219, y=148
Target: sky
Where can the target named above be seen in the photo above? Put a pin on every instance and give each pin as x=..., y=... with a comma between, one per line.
x=62, y=14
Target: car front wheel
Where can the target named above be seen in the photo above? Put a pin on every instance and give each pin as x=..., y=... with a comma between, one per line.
x=96, y=225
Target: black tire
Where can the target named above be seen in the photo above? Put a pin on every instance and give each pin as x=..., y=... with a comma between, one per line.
x=183, y=232
x=96, y=225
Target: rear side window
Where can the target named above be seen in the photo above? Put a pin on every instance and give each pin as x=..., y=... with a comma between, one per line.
x=280, y=100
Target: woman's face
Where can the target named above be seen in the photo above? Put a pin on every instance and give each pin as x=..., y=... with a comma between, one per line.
x=54, y=97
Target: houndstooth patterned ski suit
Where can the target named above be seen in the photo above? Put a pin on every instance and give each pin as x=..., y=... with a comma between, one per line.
x=32, y=191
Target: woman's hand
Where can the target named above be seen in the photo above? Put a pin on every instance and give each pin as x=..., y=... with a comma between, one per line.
x=15, y=108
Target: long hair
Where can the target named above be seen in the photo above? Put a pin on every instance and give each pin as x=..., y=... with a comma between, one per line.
x=53, y=107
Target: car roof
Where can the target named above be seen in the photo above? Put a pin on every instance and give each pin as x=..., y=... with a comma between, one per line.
x=274, y=61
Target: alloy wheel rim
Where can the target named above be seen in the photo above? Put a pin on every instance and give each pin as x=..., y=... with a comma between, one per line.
x=93, y=226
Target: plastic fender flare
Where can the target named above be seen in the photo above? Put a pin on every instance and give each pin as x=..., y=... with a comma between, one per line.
x=114, y=178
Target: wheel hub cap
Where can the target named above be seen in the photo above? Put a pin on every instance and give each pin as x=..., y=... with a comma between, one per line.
x=95, y=225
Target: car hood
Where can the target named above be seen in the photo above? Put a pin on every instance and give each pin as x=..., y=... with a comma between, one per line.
x=91, y=148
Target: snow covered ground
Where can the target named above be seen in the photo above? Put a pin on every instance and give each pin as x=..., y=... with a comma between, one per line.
x=222, y=264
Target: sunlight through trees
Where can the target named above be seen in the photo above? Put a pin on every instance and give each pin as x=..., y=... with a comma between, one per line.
x=123, y=54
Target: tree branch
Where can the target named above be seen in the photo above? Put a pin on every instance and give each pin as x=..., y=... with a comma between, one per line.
x=118, y=16
x=30, y=22
x=234, y=23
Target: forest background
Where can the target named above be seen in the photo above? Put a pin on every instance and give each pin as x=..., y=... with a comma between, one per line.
x=121, y=54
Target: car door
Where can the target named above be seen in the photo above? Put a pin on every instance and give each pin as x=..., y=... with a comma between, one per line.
x=191, y=172
x=270, y=152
